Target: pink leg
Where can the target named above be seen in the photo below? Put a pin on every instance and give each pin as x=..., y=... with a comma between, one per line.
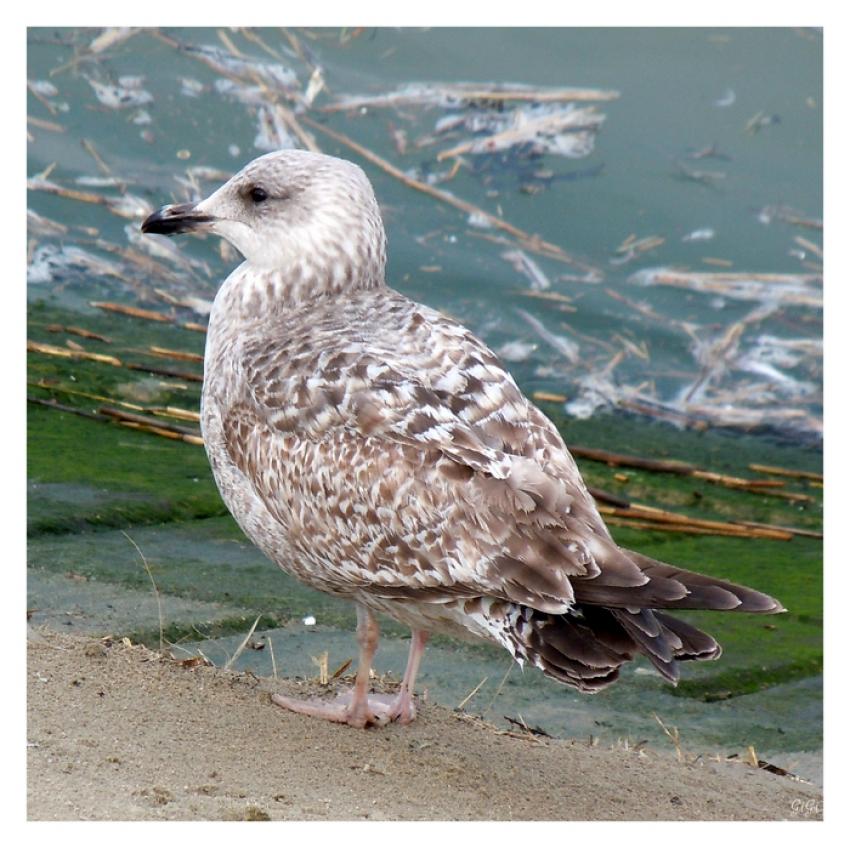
x=403, y=708
x=356, y=708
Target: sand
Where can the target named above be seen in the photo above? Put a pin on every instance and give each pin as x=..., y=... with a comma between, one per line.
x=117, y=732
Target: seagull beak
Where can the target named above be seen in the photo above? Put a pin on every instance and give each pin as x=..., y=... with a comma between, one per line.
x=177, y=218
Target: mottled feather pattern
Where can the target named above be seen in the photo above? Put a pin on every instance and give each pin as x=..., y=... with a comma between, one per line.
x=394, y=479
x=379, y=451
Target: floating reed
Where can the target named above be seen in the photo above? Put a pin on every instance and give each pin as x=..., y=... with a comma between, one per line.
x=167, y=411
x=133, y=311
x=175, y=412
x=166, y=372
x=176, y=354
x=77, y=331
x=468, y=93
x=546, y=295
x=69, y=353
x=528, y=240
x=41, y=384
x=793, y=289
x=42, y=124
x=797, y=531
x=59, y=407
x=673, y=466
x=549, y=396
x=79, y=353
x=606, y=497
x=646, y=517
x=152, y=425
x=527, y=131
x=769, y=488
x=785, y=472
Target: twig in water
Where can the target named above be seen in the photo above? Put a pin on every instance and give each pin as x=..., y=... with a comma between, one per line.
x=252, y=36
x=66, y=391
x=69, y=353
x=785, y=472
x=231, y=47
x=166, y=372
x=466, y=94
x=549, y=397
x=45, y=125
x=168, y=353
x=147, y=421
x=529, y=241
x=797, y=531
x=78, y=331
x=134, y=311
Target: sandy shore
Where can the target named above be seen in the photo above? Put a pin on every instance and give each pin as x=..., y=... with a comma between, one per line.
x=116, y=732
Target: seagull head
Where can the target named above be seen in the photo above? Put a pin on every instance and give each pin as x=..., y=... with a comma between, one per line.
x=306, y=215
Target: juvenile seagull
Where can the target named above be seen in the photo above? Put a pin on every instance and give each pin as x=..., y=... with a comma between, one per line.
x=378, y=451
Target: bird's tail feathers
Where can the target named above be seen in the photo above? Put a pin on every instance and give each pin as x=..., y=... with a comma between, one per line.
x=586, y=647
x=705, y=592
x=668, y=587
x=612, y=622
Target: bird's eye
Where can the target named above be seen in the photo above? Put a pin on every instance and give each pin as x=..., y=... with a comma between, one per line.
x=258, y=194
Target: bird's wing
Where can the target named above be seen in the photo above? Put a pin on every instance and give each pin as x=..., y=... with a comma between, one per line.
x=417, y=464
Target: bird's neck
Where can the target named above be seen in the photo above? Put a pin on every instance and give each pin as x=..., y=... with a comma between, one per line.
x=251, y=294
x=261, y=291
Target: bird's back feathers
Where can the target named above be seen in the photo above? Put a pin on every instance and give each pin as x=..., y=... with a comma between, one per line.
x=404, y=465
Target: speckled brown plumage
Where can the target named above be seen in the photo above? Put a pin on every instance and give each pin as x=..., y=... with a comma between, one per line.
x=379, y=451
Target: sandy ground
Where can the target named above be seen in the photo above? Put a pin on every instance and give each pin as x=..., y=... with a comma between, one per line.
x=116, y=732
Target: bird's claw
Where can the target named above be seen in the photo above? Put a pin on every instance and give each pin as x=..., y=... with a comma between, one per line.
x=373, y=711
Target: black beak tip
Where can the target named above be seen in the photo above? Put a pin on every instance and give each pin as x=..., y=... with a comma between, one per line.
x=152, y=222
x=179, y=218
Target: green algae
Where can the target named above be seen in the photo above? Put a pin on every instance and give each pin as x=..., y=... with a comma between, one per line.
x=122, y=477
x=88, y=480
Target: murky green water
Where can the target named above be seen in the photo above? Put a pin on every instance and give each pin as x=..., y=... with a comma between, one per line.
x=708, y=161
x=712, y=143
